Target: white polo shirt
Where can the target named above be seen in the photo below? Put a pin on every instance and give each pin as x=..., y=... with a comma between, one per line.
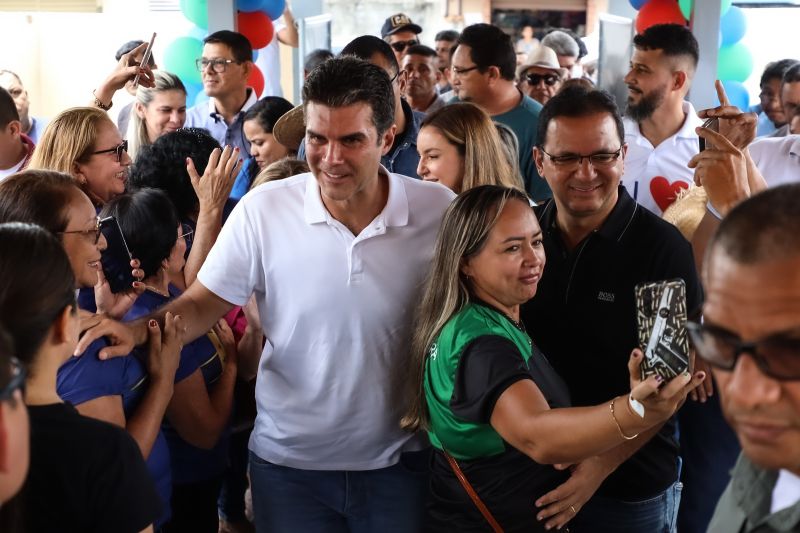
x=777, y=158
x=336, y=310
x=653, y=176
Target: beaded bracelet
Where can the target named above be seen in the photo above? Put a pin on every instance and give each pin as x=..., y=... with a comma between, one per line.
x=100, y=104
x=619, y=428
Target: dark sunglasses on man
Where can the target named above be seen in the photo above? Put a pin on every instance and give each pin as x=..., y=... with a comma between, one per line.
x=777, y=356
x=534, y=79
x=399, y=46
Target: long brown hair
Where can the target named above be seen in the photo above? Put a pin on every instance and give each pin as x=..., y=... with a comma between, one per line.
x=470, y=129
x=464, y=231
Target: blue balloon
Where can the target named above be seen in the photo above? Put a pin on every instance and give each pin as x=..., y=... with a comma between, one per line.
x=198, y=33
x=249, y=6
x=637, y=4
x=192, y=90
x=733, y=26
x=737, y=94
x=274, y=8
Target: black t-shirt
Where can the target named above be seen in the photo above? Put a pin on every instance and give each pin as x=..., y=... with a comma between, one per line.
x=584, y=318
x=85, y=475
x=508, y=483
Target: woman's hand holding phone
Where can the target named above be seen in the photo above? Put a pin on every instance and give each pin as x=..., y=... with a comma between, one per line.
x=659, y=401
x=115, y=305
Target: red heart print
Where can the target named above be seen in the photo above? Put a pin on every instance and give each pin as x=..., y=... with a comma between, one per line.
x=664, y=192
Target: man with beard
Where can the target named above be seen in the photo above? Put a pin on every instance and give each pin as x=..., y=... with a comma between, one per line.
x=659, y=124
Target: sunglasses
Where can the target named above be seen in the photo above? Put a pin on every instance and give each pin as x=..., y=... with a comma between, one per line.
x=118, y=149
x=777, y=356
x=399, y=46
x=16, y=382
x=534, y=79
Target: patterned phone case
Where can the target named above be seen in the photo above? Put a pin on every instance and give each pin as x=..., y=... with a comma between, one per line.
x=661, y=317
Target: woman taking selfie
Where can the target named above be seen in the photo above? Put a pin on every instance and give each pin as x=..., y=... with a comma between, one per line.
x=494, y=408
x=85, y=475
x=460, y=148
x=197, y=418
x=119, y=390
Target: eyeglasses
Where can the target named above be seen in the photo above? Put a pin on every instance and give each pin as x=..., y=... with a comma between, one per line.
x=399, y=46
x=461, y=71
x=548, y=79
x=777, y=356
x=16, y=382
x=186, y=233
x=217, y=65
x=572, y=161
x=99, y=224
x=118, y=149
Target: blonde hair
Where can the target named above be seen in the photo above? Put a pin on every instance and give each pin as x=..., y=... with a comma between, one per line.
x=470, y=129
x=463, y=233
x=68, y=139
x=278, y=170
x=137, y=128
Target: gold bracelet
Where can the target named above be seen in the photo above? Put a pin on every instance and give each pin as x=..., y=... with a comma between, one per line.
x=100, y=104
x=619, y=428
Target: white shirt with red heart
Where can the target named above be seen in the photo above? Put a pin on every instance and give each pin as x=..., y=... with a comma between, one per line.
x=654, y=176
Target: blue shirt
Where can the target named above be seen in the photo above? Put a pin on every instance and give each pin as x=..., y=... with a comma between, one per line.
x=85, y=378
x=189, y=463
x=244, y=179
x=403, y=158
x=204, y=115
x=37, y=128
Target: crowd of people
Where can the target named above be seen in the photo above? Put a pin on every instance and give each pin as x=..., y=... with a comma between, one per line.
x=407, y=303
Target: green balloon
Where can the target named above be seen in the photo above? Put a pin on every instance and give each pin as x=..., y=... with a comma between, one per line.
x=686, y=7
x=180, y=56
x=196, y=11
x=735, y=62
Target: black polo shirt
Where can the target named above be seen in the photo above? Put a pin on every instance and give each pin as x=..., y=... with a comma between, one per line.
x=583, y=318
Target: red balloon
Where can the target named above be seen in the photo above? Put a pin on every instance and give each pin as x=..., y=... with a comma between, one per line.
x=257, y=27
x=659, y=12
x=256, y=80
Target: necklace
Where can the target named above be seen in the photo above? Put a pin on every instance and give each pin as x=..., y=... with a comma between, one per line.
x=157, y=291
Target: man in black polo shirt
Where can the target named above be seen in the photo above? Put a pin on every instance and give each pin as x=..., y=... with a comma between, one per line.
x=600, y=244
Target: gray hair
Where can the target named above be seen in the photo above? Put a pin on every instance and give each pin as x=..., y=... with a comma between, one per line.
x=562, y=43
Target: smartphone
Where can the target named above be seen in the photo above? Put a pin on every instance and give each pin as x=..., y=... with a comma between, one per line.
x=661, y=320
x=145, y=58
x=116, y=258
x=713, y=125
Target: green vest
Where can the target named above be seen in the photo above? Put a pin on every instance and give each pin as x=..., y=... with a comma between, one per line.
x=463, y=439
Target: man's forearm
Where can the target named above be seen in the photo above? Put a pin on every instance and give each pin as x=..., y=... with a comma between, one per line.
x=198, y=307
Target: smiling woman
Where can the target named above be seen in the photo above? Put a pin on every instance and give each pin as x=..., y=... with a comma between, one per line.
x=84, y=143
x=496, y=412
x=157, y=111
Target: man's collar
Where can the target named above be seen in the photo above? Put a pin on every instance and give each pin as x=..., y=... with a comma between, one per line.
x=394, y=213
x=794, y=149
x=248, y=103
x=413, y=123
x=614, y=226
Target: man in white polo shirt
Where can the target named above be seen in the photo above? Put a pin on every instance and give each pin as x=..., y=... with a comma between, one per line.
x=335, y=259
x=660, y=124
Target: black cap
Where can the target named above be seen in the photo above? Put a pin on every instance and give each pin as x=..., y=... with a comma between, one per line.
x=399, y=22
